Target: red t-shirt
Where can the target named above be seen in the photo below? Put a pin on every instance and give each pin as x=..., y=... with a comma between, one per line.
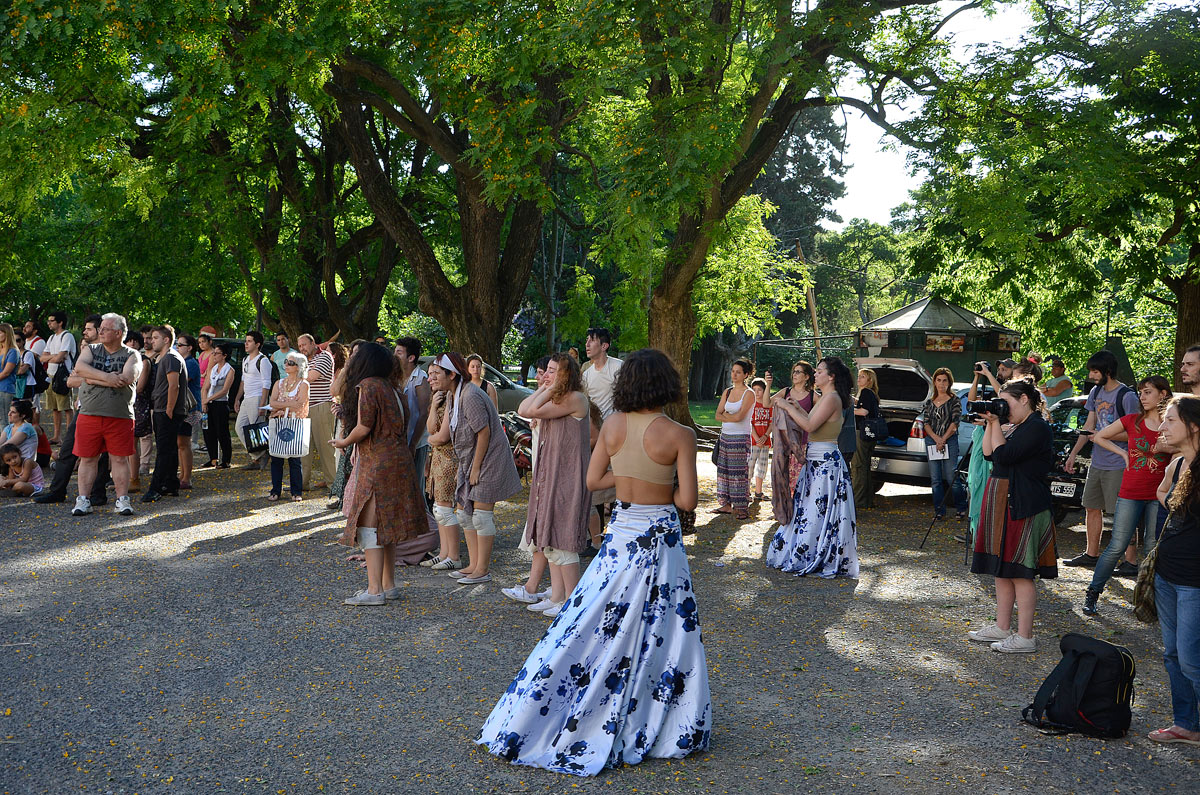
x=1146, y=469
x=43, y=447
x=760, y=421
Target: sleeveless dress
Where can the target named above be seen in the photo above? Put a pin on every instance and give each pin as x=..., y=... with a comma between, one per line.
x=790, y=445
x=620, y=675
x=821, y=537
x=559, y=501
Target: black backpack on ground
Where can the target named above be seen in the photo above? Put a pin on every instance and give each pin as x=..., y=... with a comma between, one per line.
x=1089, y=691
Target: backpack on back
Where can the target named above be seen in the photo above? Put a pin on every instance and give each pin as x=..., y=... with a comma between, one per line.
x=41, y=381
x=1089, y=691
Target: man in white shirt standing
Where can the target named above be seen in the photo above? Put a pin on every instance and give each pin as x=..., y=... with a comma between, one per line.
x=33, y=340
x=320, y=412
x=60, y=351
x=598, y=379
x=417, y=396
x=254, y=393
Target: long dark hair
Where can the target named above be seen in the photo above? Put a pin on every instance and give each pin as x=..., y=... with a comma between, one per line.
x=1187, y=490
x=1162, y=385
x=372, y=360
x=842, y=382
x=24, y=410
x=1024, y=386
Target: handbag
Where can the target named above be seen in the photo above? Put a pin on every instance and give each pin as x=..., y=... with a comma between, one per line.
x=257, y=436
x=289, y=436
x=716, y=451
x=876, y=428
x=1144, y=608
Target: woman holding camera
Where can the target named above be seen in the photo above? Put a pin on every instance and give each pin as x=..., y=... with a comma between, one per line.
x=866, y=407
x=942, y=413
x=1015, y=542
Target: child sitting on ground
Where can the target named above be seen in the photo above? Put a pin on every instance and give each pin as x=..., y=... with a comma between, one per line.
x=22, y=476
x=760, y=435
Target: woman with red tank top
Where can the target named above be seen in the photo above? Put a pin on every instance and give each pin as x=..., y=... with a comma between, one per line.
x=1137, y=504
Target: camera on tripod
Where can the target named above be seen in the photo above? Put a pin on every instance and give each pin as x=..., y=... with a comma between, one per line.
x=977, y=408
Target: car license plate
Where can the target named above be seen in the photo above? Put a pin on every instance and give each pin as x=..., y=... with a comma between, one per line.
x=1062, y=489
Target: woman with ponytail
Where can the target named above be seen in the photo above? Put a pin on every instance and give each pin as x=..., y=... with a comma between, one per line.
x=1177, y=571
x=1015, y=542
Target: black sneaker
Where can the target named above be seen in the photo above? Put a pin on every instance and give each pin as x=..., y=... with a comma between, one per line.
x=1125, y=569
x=1089, y=603
x=1082, y=559
x=48, y=498
x=151, y=496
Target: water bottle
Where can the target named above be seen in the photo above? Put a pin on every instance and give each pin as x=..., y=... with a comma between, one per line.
x=204, y=421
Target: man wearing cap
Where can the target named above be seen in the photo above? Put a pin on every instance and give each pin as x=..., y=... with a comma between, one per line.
x=1059, y=385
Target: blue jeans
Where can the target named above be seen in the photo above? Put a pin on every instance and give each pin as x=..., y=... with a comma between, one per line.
x=1130, y=515
x=295, y=475
x=1179, y=615
x=942, y=472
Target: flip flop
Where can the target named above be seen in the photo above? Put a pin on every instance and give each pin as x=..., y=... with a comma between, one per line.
x=1170, y=735
x=723, y=509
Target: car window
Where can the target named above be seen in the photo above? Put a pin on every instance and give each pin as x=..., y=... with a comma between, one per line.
x=901, y=384
x=496, y=380
x=1072, y=417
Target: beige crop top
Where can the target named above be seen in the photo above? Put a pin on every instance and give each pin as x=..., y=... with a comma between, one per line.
x=829, y=430
x=631, y=460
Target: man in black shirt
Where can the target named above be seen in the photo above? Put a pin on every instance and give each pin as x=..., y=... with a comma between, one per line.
x=170, y=379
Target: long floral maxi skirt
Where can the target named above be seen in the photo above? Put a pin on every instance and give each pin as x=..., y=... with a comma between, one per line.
x=620, y=675
x=733, y=470
x=821, y=539
x=1016, y=549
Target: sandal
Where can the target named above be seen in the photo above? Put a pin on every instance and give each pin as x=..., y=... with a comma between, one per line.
x=723, y=509
x=741, y=514
x=759, y=496
x=1171, y=735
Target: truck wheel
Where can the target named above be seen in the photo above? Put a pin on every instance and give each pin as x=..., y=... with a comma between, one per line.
x=877, y=484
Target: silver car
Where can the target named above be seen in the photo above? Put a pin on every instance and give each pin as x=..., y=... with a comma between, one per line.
x=904, y=386
x=508, y=391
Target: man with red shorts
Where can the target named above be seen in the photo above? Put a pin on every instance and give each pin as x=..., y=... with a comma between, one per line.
x=109, y=371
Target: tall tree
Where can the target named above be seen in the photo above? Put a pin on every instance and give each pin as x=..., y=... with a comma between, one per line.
x=1074, y=159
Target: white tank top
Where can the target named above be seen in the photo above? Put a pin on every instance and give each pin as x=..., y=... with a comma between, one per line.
x=733, y=407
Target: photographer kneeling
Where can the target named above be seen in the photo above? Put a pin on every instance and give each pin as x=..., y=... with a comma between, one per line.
x=1015, y=542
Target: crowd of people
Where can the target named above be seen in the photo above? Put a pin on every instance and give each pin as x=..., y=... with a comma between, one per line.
x=417, y=458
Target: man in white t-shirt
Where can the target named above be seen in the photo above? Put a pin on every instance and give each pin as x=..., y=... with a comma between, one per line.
x=60, y=351
x=33, y=340
x=254, y=393
x=599, y=378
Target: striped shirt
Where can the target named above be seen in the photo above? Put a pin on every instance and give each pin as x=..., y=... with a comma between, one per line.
x=319, y=391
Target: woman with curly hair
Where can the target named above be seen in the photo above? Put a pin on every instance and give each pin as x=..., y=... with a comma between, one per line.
x=1177, y=572
x=559, y=502
x=621, y=674
x=386, y=506
x=821, y=538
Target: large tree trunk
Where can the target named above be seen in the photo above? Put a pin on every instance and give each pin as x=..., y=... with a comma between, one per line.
x=1187, y=297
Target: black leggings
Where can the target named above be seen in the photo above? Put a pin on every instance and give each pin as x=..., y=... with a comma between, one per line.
x=216, y=435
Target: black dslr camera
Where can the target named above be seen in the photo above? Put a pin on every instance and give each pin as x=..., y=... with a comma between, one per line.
x=981, y=366
x=977, y=408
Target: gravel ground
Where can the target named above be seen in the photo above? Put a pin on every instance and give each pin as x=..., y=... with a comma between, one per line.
x=201, y=646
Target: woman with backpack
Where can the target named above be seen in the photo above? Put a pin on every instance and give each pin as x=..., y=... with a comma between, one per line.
x=1015, y=542
x=1177, y=571
x=1137, y=501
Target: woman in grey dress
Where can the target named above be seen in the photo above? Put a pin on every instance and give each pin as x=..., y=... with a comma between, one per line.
x=486, y=472
x=559, y=502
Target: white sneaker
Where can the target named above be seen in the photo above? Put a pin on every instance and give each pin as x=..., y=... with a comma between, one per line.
x=1015, y=644
x=83, y=506
x=538, y=607
x=989, y=634
x=430, y=561
x=124, y=506
x=553, y=609
x=445, y=564
x=518, y=594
